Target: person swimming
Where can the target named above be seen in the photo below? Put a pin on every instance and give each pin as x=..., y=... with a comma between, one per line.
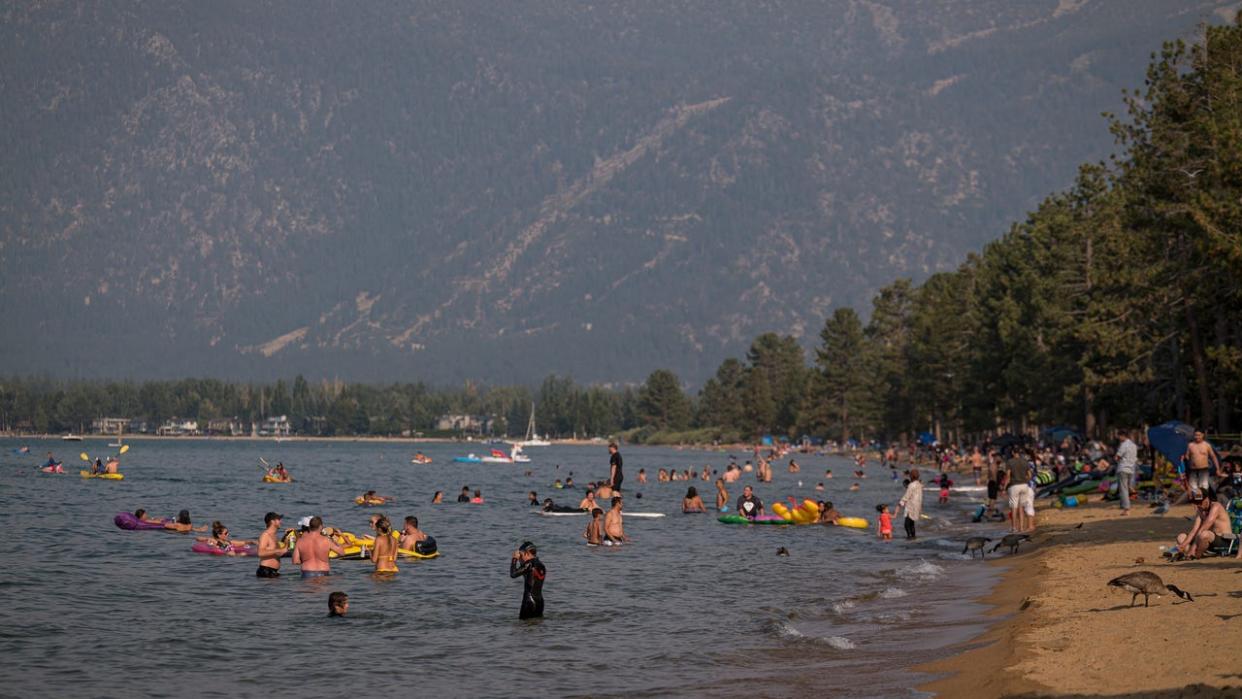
x=182, y=524
x=692, y=503
x=338, y=604
x=549, y=506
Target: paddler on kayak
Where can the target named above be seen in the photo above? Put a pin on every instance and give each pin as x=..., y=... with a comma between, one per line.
x=311, y=551
x=270, y=549
x=748, y=505
x=279, y=473
x=113, y=465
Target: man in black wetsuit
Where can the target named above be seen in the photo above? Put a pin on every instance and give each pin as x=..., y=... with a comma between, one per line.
x=526, y=563
x=748, y=505
x=615, y=476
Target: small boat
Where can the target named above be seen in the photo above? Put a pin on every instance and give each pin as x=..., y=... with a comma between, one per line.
x=105, y=476
x=515, y=456
x=421, y=459
x=71, y=437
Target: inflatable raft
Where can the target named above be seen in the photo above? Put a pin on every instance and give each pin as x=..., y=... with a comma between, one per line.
x=202, y=547
x=761, y=519
x=127, y=520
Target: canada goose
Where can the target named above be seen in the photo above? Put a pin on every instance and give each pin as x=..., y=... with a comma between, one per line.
x=975, y=543
x=782, y=551
x=1146, y=583
x=1012, y=541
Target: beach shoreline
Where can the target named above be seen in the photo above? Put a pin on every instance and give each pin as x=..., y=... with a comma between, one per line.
x=1058, y=629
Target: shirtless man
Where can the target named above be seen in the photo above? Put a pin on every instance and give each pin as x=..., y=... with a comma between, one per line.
x=613, y=530
x=594, y=532
x=311, y=551
x=1211, y=521
x=588, y=503
x=1200, y=459
x=411, y=534
x=976, y=464
x=270, y=549
x=604, y=491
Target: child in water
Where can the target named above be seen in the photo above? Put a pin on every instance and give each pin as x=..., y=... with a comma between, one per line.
x=885, y=524
x=944, y=489
x=338, y=604
x=594, y=531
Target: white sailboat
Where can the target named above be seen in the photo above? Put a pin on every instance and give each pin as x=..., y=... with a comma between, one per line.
x=532, y=437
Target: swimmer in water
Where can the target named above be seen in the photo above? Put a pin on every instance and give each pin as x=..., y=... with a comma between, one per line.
x=385, y=553
x=478, y=497
x=854, y=488
x=437, y=498
x=692, y=502
x=819, y=486
x=182, y=525
x=748, y=505
x=411, y=535
x=464, y=495
x=311, y=551
x=338, y=604
x=722, y=496
x=594, y=533
x=532, y=499
x=588, y=502
x=828, y=513
x=526, y=564
x=270, y=549
x=828, y=473
x=220, y=538
x=370, y=498
x=642, y=475
x=614, y=531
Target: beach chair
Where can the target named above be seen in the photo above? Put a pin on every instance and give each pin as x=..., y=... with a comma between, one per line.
x=1228, y=544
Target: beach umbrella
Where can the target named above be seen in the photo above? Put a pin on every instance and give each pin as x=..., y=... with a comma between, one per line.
x=1171, y=439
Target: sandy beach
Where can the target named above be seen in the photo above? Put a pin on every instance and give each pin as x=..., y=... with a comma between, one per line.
x=1061, y=631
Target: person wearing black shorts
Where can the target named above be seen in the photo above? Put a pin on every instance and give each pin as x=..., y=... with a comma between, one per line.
x=615, y=476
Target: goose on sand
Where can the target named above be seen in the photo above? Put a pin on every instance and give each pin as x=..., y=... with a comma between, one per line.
x=1146, y=583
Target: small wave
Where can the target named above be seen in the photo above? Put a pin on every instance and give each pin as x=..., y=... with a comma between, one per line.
x=893, y=593
x=945, y=543
x=924, y=570
x=788, y=632
x=843, y=606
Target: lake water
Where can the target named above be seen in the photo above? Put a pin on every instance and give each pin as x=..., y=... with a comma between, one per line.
x=692, y=608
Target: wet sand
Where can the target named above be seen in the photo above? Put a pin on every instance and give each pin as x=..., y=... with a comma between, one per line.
x=1062, y=632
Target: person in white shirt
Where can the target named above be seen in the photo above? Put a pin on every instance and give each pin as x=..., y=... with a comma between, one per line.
x=1127, y=465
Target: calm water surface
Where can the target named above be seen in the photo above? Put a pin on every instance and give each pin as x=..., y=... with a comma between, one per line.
x=692, y=608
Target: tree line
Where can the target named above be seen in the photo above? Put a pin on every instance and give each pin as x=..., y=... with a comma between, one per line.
x=1116, y=302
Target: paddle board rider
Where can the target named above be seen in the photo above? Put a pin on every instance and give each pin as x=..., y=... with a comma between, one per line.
x=615, y=476
x=526, y=563
x=748, y=505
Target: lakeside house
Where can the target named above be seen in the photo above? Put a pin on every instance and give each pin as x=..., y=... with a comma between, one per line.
x=225, y=427
x=177, y=427
x=110, y=425
x=476, y=424
x=277, y=426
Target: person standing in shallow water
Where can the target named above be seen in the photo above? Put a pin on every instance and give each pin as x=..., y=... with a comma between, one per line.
x=526, y=564
x=912, y=502
x=615, y=476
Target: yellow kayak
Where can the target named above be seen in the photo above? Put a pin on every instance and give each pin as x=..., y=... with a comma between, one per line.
x=105, y=476
x=273, y=479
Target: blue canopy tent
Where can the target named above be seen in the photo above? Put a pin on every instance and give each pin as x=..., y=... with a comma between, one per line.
x=927, y=439
x=1171, y=439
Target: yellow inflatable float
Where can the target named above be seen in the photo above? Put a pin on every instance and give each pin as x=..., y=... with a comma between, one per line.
x=806, y=513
